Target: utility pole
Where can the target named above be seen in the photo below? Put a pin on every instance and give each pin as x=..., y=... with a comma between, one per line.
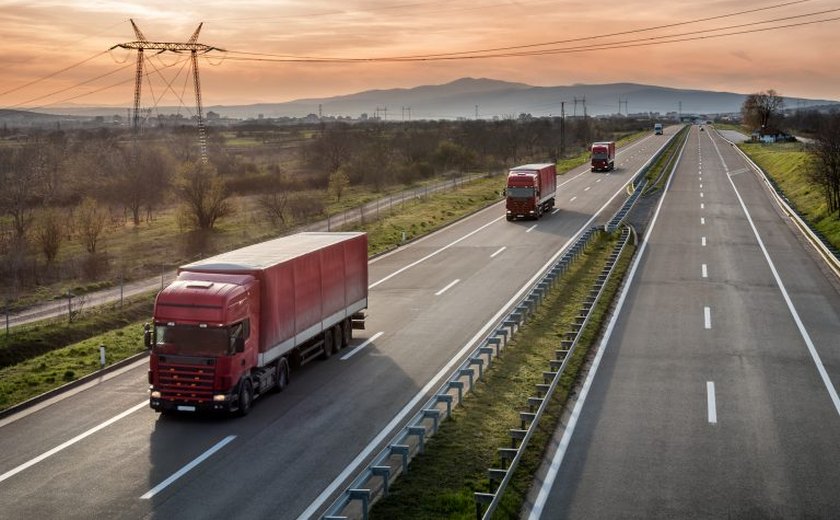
x=193, y=48
x=562, y=129
x=476, y=112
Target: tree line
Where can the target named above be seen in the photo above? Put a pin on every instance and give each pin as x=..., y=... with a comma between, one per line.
x=79, y=186
x=765, y=111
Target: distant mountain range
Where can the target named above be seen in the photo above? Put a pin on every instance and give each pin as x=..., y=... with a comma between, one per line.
x=487, y=98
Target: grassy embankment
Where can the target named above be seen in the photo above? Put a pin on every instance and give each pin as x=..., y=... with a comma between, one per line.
x=42, y=372
x=787, y=164
x=441, y=482
x=656, y=174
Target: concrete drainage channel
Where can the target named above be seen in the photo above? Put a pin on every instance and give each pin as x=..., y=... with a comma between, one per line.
x=373, y=482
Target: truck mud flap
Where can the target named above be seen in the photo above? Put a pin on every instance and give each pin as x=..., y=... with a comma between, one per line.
x=358, y=321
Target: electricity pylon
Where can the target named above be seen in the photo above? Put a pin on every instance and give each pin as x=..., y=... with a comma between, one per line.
x=194, y=48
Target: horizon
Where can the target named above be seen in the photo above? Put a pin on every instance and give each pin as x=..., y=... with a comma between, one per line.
x=58, y=48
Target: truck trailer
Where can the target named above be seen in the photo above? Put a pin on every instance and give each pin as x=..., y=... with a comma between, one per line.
x=603, y=156
x=231, y=327
x=530, y=190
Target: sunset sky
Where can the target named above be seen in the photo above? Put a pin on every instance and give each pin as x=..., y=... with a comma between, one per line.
x=41, y=38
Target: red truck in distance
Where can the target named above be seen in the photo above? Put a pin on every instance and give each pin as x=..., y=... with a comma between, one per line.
x=230, y=327
x=530, y=190
x=603, y=156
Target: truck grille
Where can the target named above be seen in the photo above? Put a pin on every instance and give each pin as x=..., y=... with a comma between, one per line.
x=185, y=382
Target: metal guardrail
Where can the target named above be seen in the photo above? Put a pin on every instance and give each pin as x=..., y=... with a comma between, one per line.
x=520, y=437
x=830, y=253
x=393, y=460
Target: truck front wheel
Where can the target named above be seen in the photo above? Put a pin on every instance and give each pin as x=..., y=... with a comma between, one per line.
x=246, y=397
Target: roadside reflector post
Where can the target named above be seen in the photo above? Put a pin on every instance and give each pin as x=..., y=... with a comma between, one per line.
x=101, y=356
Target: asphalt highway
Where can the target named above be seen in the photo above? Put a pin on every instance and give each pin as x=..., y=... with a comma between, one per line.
x=713, y=394
x=100, y=452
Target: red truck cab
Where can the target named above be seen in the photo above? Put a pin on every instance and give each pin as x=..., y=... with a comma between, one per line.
x=602, y=155
x=530, y=190
x=203, y=340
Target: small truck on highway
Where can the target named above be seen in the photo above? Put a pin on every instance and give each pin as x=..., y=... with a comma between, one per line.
x=229, y=328
x=657, y=129
x=602, y=155
x=530, y=190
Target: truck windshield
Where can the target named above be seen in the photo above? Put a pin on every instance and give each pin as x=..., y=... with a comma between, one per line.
x=600, y=155
x=190, y=340
x=518, y=192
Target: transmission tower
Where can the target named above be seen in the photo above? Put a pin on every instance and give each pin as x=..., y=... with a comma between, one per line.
x=194, y=48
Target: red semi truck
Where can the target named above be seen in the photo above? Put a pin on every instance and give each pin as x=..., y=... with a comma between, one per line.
x=603, y=156
x=530, y=190
x=230, y=327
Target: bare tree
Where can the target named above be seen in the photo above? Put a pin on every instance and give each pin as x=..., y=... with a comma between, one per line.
x=339, y=182
x=91, y=219
x=48, y=232
x=825, y=164
x=203, y=195
x=19, y=176
x=763, y=110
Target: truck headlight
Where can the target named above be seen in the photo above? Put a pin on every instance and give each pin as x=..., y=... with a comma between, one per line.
x=220, y=397
x=154, y=394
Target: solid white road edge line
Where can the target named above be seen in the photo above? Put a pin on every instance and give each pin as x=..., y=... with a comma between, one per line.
x=367, y=342
x=498, y=251
x=829, y=386
x=446, y=370
x=557, y=460
x=183, y=471
x=451, y=285
x=72, y=441
x=710, y=398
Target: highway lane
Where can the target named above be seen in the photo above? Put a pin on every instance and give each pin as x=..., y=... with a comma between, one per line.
x=715, y=394
x=293, y=446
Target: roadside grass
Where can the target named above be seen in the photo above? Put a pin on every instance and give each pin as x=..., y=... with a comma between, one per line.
x=787, y=165
x=422, y=216
x=48, y=371
x=25, y=342
x=65, y=362
x=440, y=483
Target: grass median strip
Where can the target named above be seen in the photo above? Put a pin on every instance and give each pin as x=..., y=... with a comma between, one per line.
x=441, y=482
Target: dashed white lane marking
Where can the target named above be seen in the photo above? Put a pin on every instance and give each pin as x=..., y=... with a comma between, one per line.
x=707, y=317
x=703, y=241
x=702, y=221
x=498, y=251
x=704, y=271
x=183, y=471
x=531, y=228
x=367, y=342
x=573, y=199
x=710, y=398
x=450, y=286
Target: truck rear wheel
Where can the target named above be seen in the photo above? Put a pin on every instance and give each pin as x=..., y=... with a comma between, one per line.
x=327, y=349
x=281, y=376
x=346, y=332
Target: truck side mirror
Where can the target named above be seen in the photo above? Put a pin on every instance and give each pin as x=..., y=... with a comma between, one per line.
x=148, y=336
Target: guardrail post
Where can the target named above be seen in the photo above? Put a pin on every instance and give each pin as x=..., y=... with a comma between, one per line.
x=385, y=473
x=402, y=451
x=364, y=496
x=420, y=432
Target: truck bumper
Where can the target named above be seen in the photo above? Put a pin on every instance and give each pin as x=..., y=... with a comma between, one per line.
x=167, y=405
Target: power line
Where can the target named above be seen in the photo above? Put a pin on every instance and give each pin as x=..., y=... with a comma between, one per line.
x=464, y=54
x=53, y=74
x=642, y=42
